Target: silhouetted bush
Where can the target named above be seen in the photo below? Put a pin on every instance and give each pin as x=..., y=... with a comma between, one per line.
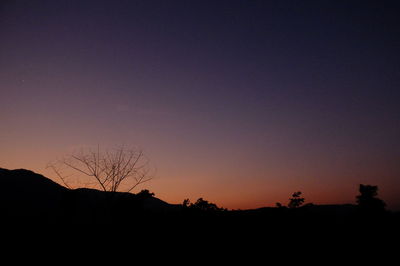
x=296, y=201
x=145, y=193
x=368, y=201
x=202, y=205
x=186, y=203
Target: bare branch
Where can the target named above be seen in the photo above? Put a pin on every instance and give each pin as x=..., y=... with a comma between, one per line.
x=109, y=169
x=57, y=171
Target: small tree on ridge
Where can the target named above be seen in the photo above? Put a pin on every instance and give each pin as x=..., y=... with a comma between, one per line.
x=296, y=201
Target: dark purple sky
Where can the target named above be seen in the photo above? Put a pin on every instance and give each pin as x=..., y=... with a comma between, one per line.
x=239, y=102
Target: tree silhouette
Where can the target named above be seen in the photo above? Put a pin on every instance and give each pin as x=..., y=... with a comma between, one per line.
x=295, y=201
x=145, y=193
x=367, y=200
x=186, y=203
x=202, y=204
x=107, y=170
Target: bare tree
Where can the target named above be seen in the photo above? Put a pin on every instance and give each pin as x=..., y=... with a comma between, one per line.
x=108, y=169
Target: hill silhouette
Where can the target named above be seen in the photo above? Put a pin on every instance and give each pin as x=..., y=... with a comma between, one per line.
x=27, y=194
x=28, y=198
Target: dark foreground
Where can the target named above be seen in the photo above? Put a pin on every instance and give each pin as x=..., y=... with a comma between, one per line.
x=34, y=206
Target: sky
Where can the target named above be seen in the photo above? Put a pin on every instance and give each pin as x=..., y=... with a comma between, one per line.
x=239, y=102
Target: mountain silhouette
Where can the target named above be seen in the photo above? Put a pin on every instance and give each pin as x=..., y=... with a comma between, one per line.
x=28, y=195
x=30, y=199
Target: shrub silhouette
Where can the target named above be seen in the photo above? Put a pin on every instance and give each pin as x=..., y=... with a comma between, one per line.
x=368, y=201
x=296, y=201
x=202, y=205
x=145, y=193
x=186, y=203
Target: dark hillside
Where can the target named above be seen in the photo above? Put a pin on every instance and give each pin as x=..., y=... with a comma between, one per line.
x=27, y=194
x=28, y=198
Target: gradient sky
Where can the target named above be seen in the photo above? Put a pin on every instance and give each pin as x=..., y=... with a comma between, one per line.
x=239, y=102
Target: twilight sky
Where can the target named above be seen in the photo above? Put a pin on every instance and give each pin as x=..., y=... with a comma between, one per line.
x=239, y=102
